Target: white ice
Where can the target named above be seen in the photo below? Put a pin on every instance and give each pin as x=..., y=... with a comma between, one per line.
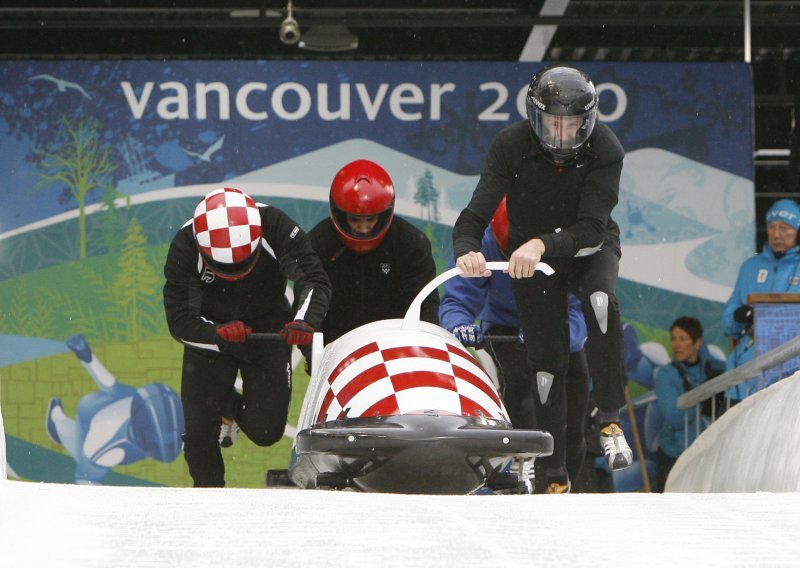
x=755, y=446
x=93, y=526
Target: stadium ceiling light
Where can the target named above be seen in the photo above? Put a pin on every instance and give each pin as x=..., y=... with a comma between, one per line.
x=329, y=39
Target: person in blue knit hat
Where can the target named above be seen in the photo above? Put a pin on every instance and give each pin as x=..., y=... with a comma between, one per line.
x=776, y=269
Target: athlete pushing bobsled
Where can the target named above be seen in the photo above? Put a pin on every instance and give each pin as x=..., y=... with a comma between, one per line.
x=401, y=406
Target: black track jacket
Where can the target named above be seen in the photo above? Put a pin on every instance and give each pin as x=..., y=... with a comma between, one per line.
x=379, y=284
x=195, y=300
x=568, y=207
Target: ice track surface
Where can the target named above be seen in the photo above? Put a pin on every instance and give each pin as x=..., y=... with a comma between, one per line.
x=80, y=526
x=65, y=526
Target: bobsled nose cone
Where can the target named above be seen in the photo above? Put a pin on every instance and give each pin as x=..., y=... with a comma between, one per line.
x=424, y=453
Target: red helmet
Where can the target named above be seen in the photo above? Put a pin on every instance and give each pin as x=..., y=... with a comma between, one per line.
x=227, y=231
x=500, y=225
x=362, y=205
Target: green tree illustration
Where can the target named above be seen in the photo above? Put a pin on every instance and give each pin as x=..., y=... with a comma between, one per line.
x=136, y=282
x=78, y=159
x=113, y=221
x=26, y=316
x=427, y=196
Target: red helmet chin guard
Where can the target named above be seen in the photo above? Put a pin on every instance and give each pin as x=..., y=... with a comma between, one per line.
x=227, y=232
x=499, y=225
x=362, y=189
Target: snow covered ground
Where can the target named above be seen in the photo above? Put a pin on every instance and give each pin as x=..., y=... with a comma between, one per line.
x=43, y=525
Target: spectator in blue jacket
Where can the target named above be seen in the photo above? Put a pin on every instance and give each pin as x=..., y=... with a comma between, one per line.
x=560, y=411
x=776, y=269
x=691, y=365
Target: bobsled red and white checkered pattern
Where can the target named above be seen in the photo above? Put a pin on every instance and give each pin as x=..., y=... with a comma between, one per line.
x=227, y=226
x=382, y=379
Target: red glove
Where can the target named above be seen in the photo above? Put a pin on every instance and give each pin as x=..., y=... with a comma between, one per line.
x=297, y=332
x=234, y=332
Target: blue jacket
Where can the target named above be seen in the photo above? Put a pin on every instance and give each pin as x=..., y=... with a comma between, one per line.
x=744, y=351
x=761, y=274
x=669, y=386
x=491, y=300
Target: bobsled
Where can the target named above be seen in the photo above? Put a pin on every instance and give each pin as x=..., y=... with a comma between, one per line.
x=401, y=406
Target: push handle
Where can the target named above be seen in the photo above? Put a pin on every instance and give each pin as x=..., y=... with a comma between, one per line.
x=411, y=319
x=316, y=344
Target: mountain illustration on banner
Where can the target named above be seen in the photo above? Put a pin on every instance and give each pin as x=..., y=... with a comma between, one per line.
x=685, y=226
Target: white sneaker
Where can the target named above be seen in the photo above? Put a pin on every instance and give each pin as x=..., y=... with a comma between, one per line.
x=228, y=431
x=615, y=447
x=525, y=474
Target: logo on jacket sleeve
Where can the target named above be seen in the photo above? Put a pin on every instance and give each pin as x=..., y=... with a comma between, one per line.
x=385, y=267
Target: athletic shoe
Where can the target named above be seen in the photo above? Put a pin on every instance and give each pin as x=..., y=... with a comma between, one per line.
x=228, y=432
x=618, y=453
x=557, y=488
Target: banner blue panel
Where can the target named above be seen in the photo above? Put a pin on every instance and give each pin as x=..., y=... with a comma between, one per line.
x=102, y=161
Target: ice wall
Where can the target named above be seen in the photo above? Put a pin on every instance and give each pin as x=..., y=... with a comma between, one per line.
x=755, y=446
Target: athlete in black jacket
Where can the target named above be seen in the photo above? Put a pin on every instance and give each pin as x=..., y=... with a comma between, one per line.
x=226, y=273
x=561, y=174
x=377, y=262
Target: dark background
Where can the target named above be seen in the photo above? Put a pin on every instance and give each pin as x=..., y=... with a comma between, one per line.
x=455, y=30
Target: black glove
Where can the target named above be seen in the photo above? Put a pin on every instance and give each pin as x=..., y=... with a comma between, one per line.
x=297, y=332
x=234, y=332
x=744, y=314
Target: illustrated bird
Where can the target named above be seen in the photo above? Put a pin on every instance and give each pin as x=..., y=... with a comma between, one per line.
x=62, y=84
x=206, y=156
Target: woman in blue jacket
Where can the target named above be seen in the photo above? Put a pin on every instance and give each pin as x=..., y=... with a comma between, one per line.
x=691, y=365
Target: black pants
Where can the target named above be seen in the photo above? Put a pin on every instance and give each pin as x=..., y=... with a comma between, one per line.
x=206, y=386
x=542, y=305
x=664, y=464
x=563, y=413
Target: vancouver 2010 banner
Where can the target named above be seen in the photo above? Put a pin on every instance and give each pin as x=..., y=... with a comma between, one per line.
x=103, y=161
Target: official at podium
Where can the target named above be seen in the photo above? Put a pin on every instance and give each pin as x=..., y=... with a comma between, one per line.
x=775, y=270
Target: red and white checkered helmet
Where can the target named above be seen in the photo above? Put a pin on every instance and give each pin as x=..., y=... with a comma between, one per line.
x=227, y=230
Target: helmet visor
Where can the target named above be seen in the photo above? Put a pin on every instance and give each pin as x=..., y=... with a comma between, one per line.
x=563, y=135
x=362, y=227
x=232, y=271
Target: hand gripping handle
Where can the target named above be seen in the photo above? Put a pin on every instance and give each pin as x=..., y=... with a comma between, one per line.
x=411, y=319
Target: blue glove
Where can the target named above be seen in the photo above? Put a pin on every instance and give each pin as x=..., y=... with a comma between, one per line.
x=521, y=336
x=469, y=335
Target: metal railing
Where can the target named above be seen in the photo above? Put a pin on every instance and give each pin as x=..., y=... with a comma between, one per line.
x=753, y=369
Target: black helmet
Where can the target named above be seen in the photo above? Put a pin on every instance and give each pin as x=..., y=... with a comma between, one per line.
x=555, y=93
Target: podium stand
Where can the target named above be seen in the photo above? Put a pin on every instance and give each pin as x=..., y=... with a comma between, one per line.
x=776, y=320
